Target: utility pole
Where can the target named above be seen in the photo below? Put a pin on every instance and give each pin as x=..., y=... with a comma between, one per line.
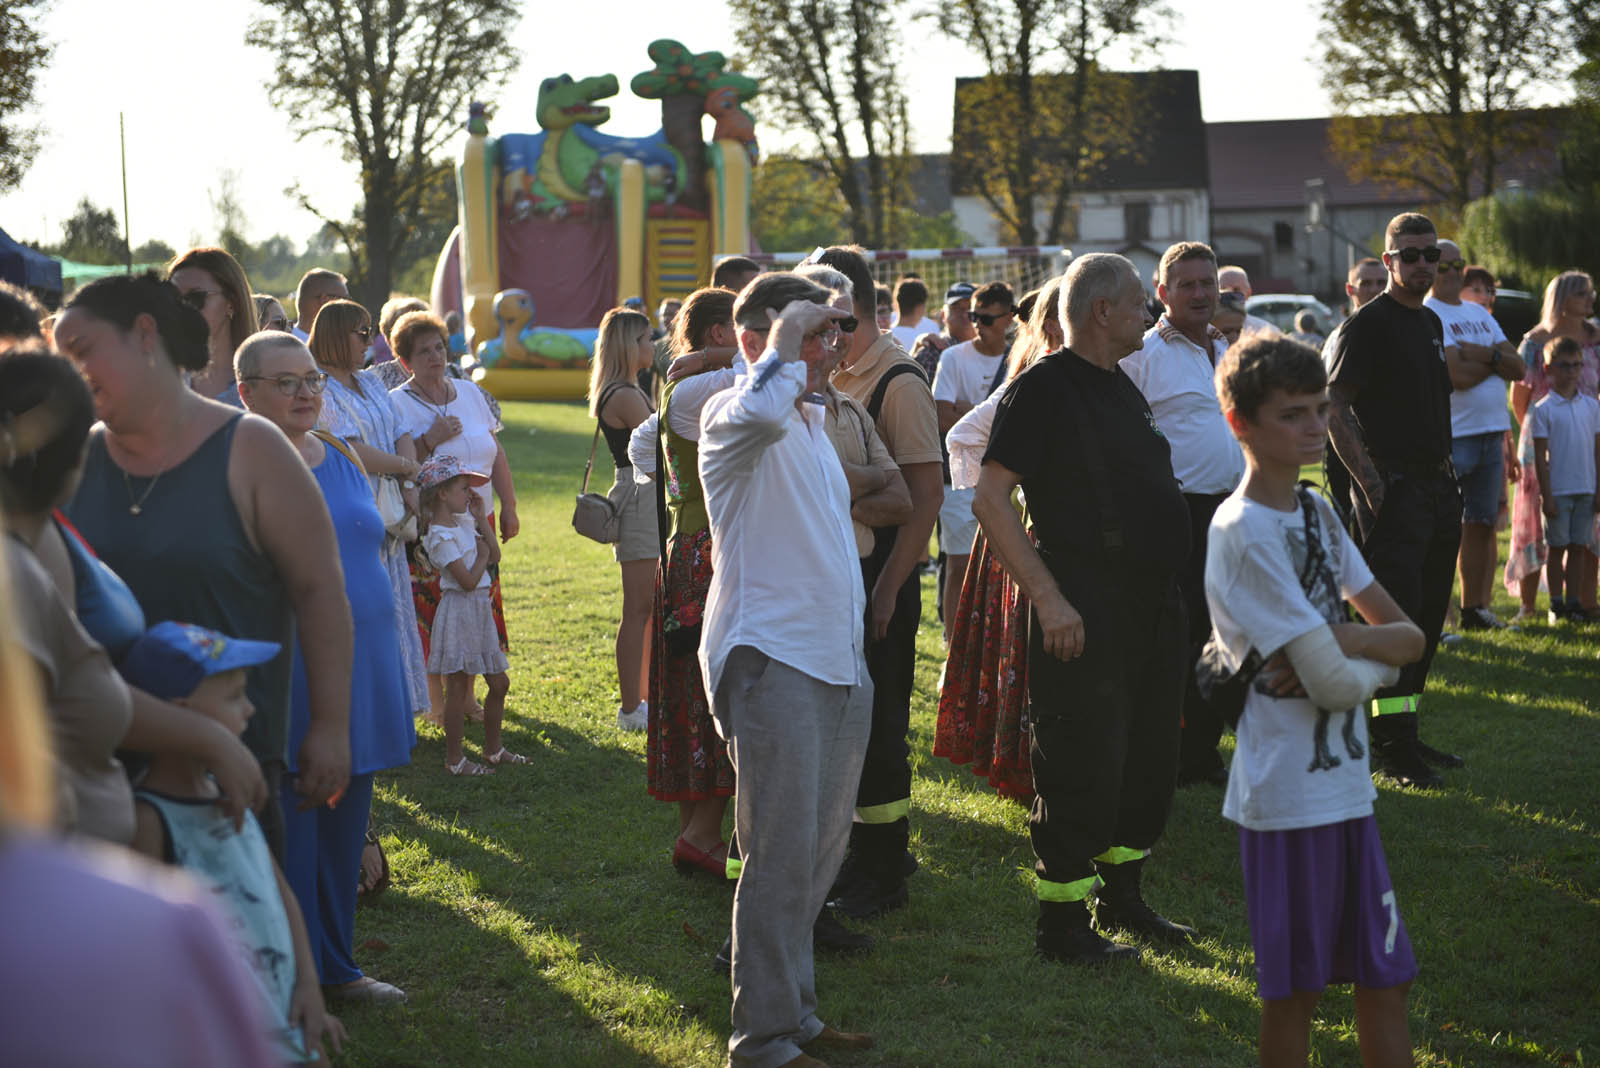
x=127, y=237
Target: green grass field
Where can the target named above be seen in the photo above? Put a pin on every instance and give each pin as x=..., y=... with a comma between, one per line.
x=535, y=920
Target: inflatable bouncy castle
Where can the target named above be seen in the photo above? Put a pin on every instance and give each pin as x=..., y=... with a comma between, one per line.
x=558, y=226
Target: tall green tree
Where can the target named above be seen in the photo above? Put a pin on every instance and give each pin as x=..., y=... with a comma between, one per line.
x=23, y=54
x=1046, y=115
x=1426, y=95
x=92, y=234
x=829, y=72
x=389, y=82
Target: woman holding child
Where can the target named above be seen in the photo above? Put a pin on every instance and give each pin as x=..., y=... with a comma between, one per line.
x=210, y=518
x=279, y=380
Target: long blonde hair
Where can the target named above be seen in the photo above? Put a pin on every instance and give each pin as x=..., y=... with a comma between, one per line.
x=1556, y=293
x=1032, y=342
x=620, y=330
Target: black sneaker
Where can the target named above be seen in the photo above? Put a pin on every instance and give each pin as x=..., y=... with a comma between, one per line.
x=1400, y=762
x=828, y=935
x=1079, y=945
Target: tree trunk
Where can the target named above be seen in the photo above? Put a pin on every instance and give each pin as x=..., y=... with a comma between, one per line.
x=378, y=221
x=680, y=121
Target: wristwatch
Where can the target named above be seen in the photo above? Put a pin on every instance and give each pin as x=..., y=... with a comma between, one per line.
x=406, y=483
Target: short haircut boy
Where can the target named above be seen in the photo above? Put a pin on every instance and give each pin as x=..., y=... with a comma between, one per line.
x=909, y=295
x=994, y=293
x=1248, y=373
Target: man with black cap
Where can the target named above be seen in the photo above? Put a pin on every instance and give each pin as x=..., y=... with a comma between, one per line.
x=957, y=327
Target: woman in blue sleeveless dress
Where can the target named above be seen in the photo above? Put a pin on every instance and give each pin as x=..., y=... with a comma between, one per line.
x=357, y=408
x=279, y=381
x=234, y=539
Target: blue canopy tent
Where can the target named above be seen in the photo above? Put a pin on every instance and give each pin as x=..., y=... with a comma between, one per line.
x=29, y=268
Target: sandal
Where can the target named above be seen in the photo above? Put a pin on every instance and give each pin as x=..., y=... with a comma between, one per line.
x=366, y=989
x=505, y=756
x=467, y=767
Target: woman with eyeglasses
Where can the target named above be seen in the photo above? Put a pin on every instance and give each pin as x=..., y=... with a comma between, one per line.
x=279, y=381
x=212, y=282
x=618, y=405
x=209, y=517
x=1569, y=302
x=455, y=417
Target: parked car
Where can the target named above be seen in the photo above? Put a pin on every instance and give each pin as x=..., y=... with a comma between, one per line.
x=1279, y=309
x=1516, y=310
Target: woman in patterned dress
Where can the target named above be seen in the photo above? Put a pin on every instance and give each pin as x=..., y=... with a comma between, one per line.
x=1568, y=309
x=983, y=702
x=686, y=760
x=357, y=408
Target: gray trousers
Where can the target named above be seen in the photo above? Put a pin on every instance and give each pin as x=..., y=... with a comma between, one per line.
x=797, y=745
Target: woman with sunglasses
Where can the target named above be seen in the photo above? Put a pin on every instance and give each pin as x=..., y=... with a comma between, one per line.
x=210, y=518
x=213, y=284
x=279, y=381
x=357, y=408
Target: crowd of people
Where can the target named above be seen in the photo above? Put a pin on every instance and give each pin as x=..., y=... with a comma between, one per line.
x=247, y=551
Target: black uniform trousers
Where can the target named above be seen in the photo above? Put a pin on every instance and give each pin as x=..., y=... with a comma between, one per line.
x=1202, y=727
x=1105, y=725
x=1411, y=547
x=885, y=792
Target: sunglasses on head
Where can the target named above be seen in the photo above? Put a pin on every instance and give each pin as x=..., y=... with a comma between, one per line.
x=985, y=319
x=1412, y=255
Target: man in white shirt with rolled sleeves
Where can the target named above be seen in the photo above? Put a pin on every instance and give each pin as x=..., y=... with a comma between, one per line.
x=782, y=654
x=1175, y=370
x=1482, y=365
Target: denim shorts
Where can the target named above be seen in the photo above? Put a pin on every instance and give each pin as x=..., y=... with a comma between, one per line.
x=1479, y=471
x=1574, y=522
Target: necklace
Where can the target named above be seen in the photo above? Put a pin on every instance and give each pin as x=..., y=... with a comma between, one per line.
x=440, y=410
x=137, y=505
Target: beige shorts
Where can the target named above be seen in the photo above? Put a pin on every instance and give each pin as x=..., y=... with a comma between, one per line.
x=639, y=540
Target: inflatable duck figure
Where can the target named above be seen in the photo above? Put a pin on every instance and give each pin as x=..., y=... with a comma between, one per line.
x=513, y=310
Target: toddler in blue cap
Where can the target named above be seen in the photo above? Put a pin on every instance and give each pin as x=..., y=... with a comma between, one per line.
x=179, y=822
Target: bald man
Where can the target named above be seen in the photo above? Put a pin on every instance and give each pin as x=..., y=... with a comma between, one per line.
x=1233, y=279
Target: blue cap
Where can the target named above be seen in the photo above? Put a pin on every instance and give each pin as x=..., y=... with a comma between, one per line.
x=171, y=659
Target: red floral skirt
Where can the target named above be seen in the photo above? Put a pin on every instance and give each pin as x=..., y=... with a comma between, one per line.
x=425, y=595
x=685, y=758
x=983, y=707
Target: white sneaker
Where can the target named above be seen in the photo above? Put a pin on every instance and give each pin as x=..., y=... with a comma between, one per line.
x=637, y=720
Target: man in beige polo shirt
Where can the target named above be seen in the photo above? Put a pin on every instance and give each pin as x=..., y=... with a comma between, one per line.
x=879, y=374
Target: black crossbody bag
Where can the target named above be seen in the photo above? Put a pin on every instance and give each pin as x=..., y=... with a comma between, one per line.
x=1225, y=691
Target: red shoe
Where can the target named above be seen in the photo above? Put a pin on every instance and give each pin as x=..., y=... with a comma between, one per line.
x=688, y=859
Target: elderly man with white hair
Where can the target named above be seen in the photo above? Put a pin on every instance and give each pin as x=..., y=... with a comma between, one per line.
x=1107, y=645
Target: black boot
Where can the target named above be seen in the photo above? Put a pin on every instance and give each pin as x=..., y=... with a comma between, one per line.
x=1395, y=752
x=828, y=935
x=1119, y=904
x=878, y=882
x=1064, y=936
x=850, y=870
x=1437, y=758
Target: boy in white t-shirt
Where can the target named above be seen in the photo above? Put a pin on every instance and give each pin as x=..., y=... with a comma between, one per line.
x=1566, y=455
x=1321, y=905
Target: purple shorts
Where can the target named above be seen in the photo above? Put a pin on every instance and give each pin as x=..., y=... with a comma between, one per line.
x=1322, y=909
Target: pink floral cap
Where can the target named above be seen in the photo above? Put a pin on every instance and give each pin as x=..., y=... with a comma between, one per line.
x=442, y=467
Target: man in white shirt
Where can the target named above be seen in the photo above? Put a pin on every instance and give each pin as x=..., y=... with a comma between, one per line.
x=1176, y=372
x=911, y=312
x=317, y=287
x=1482, y=365
x=968, y=372
x=1234, y=279
x=782, y=654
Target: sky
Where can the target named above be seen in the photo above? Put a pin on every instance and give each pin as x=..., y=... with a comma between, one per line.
x=194, y=105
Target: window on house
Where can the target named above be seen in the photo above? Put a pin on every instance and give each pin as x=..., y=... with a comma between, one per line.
x=1136, y=221
x=1283, y=236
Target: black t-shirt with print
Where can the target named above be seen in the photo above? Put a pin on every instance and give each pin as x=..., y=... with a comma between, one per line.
x=1393, y=357
x=1036, y=436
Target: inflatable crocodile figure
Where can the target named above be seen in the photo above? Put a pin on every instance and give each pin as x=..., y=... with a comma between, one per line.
x=574, y=155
